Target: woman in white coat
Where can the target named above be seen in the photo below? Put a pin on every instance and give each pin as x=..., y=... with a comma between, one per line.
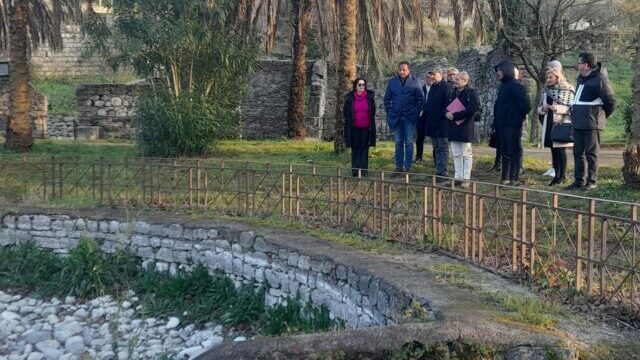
x=554, y=109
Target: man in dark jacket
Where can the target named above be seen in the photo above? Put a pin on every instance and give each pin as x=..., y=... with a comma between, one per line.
x=593, y=104
x=510, y=109
x=420, y=126
x=403, y=100
x=436, y=124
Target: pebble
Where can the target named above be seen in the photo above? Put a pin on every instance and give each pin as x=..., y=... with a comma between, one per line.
x=34, y=329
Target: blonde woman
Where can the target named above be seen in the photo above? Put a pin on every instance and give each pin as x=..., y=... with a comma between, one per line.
x=554, y=109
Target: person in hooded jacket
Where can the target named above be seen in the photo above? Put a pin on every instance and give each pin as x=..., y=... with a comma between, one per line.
x=460, y=130
x=359, y=112
x=509, y=111
x=592, y=106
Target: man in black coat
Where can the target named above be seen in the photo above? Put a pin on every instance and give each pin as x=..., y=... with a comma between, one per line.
x=592, y=106
x=436, y=124
x=510, y=110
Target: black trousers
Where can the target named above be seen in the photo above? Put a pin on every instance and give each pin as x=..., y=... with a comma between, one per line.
x=498, y=159
x=511, y=151
x=420, y=129
x=559, y=162
x=359, y=151
x=586, y=146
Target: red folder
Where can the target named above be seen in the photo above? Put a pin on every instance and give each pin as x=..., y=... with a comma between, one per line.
x=456, y=106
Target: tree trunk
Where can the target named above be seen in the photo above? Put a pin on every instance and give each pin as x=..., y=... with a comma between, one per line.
x=296, y=114
x=534, y=128
x=631, y=155
x=19, y=130
x=347, y=68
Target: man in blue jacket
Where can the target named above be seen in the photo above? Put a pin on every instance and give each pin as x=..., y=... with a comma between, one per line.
x=403, y=101
x=592, y=106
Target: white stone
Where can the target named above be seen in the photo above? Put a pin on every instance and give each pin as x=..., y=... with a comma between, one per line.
x=212, y=341
x=32, y=336
x=50, y=348
x=240, y=338
x=9, y=315
x=172, y=323
x=35, y=356
x=74, y=345
x=97, y=313
x=70, y=300
x=190, y=353
x=81, y=314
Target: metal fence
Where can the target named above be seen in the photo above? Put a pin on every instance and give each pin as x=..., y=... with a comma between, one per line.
x=583, y=244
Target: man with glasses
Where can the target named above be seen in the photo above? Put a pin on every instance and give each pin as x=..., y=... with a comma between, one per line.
x=420, y=126
x=452, y=73
x=592, y=106
x=403, y=100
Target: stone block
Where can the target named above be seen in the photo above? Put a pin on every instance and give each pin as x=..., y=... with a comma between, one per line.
x=168, y=243
x=212, y=234
x=155, y=241
x=223, y=244
x=363, y=283
x=237, y=266
x=88, y=133
x=261, y=245
x=57, y=225
x=304, y=262
x=292, y=259
x=164, y=254
x=246, y=239
x=259, y=274
x=248, y=272
x=69, y=225
x=174, y=231
x=140, y=240
x=145, y=252
x=81, y=225
x=141, y=227
x=41, y=222
x=92, y=226
x=257, y=259
x=9, y=222
x=183, y=257
x=114, y=227
x=7, y=237
x=199, y=234
x=341, y=272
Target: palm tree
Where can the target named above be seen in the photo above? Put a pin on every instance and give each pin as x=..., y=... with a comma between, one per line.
x=296, y=110
x=631, y=168
x=29, y=23
x=347, y=67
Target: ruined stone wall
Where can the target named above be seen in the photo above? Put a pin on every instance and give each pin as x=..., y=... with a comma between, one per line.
x=67, y=62
x=248, y=257
x=38, y=109
x=110, y=107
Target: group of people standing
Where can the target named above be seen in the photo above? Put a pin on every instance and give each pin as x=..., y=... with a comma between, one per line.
x=445, y=109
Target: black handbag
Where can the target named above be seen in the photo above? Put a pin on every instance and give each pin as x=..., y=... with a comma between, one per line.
x=493, y=140
x=562, y=132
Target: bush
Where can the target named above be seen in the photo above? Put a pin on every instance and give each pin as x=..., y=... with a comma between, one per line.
x=170, y=127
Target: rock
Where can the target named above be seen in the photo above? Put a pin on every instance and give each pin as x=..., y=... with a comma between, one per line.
x=49, y=348
x=70, y=300
x=240, y=338
x=172, y=323
x=189, y=353
x=97, y=313
x=35, y=356
x=9, y=315
x=74, y=345
x=212, y=341
x=81, y=314
x=34, y=337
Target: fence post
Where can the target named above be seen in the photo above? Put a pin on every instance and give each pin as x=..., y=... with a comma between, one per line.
x=425, y=199
x=466, y=224
x=283, y=194
x=339, y=203
x=532, y=249
x=101, y=180
x=480, y=227
x=297, y=195
x=382, y=202
x=514, y=237
x=634, y=258
x=53, y=176
x=313, y=186
x=474, y=221
x=578, y=243
x=246, y=187
x=554, y=238
x=591, y=233
x=603, y=257
x=434, y=211
x=523, y=228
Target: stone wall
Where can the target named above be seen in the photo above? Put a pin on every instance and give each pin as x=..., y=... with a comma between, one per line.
x=479, y=63
x=110, y=107
x=62, y=127
x=69, y=61
x=38, y=109
x=246, y=256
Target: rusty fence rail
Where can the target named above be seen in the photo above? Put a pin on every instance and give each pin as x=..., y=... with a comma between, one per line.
x=583, y=244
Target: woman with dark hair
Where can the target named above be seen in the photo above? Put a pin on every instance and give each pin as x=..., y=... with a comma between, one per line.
x=359, y=125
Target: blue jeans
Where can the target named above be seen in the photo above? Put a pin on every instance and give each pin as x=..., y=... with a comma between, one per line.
x=403, y=135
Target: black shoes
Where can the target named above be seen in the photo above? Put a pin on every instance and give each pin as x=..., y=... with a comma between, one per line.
x=590, y=186
x=574, y=186
x=557, y=181
x=417, y=160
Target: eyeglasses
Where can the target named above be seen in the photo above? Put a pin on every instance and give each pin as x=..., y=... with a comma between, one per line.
x=360, y=84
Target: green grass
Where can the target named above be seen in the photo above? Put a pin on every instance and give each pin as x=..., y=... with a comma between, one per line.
x=524, y=310
x=61, y=92
x=197, y=297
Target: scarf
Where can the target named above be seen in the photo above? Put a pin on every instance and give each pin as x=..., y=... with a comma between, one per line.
x=560, y=95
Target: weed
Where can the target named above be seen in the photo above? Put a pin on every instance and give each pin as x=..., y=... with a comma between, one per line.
x=529, y=311
x=416, y=312
x=458, y=349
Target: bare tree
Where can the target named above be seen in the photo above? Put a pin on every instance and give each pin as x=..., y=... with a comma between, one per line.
x=296, y=110
x=538, y=31
x=631, y=155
